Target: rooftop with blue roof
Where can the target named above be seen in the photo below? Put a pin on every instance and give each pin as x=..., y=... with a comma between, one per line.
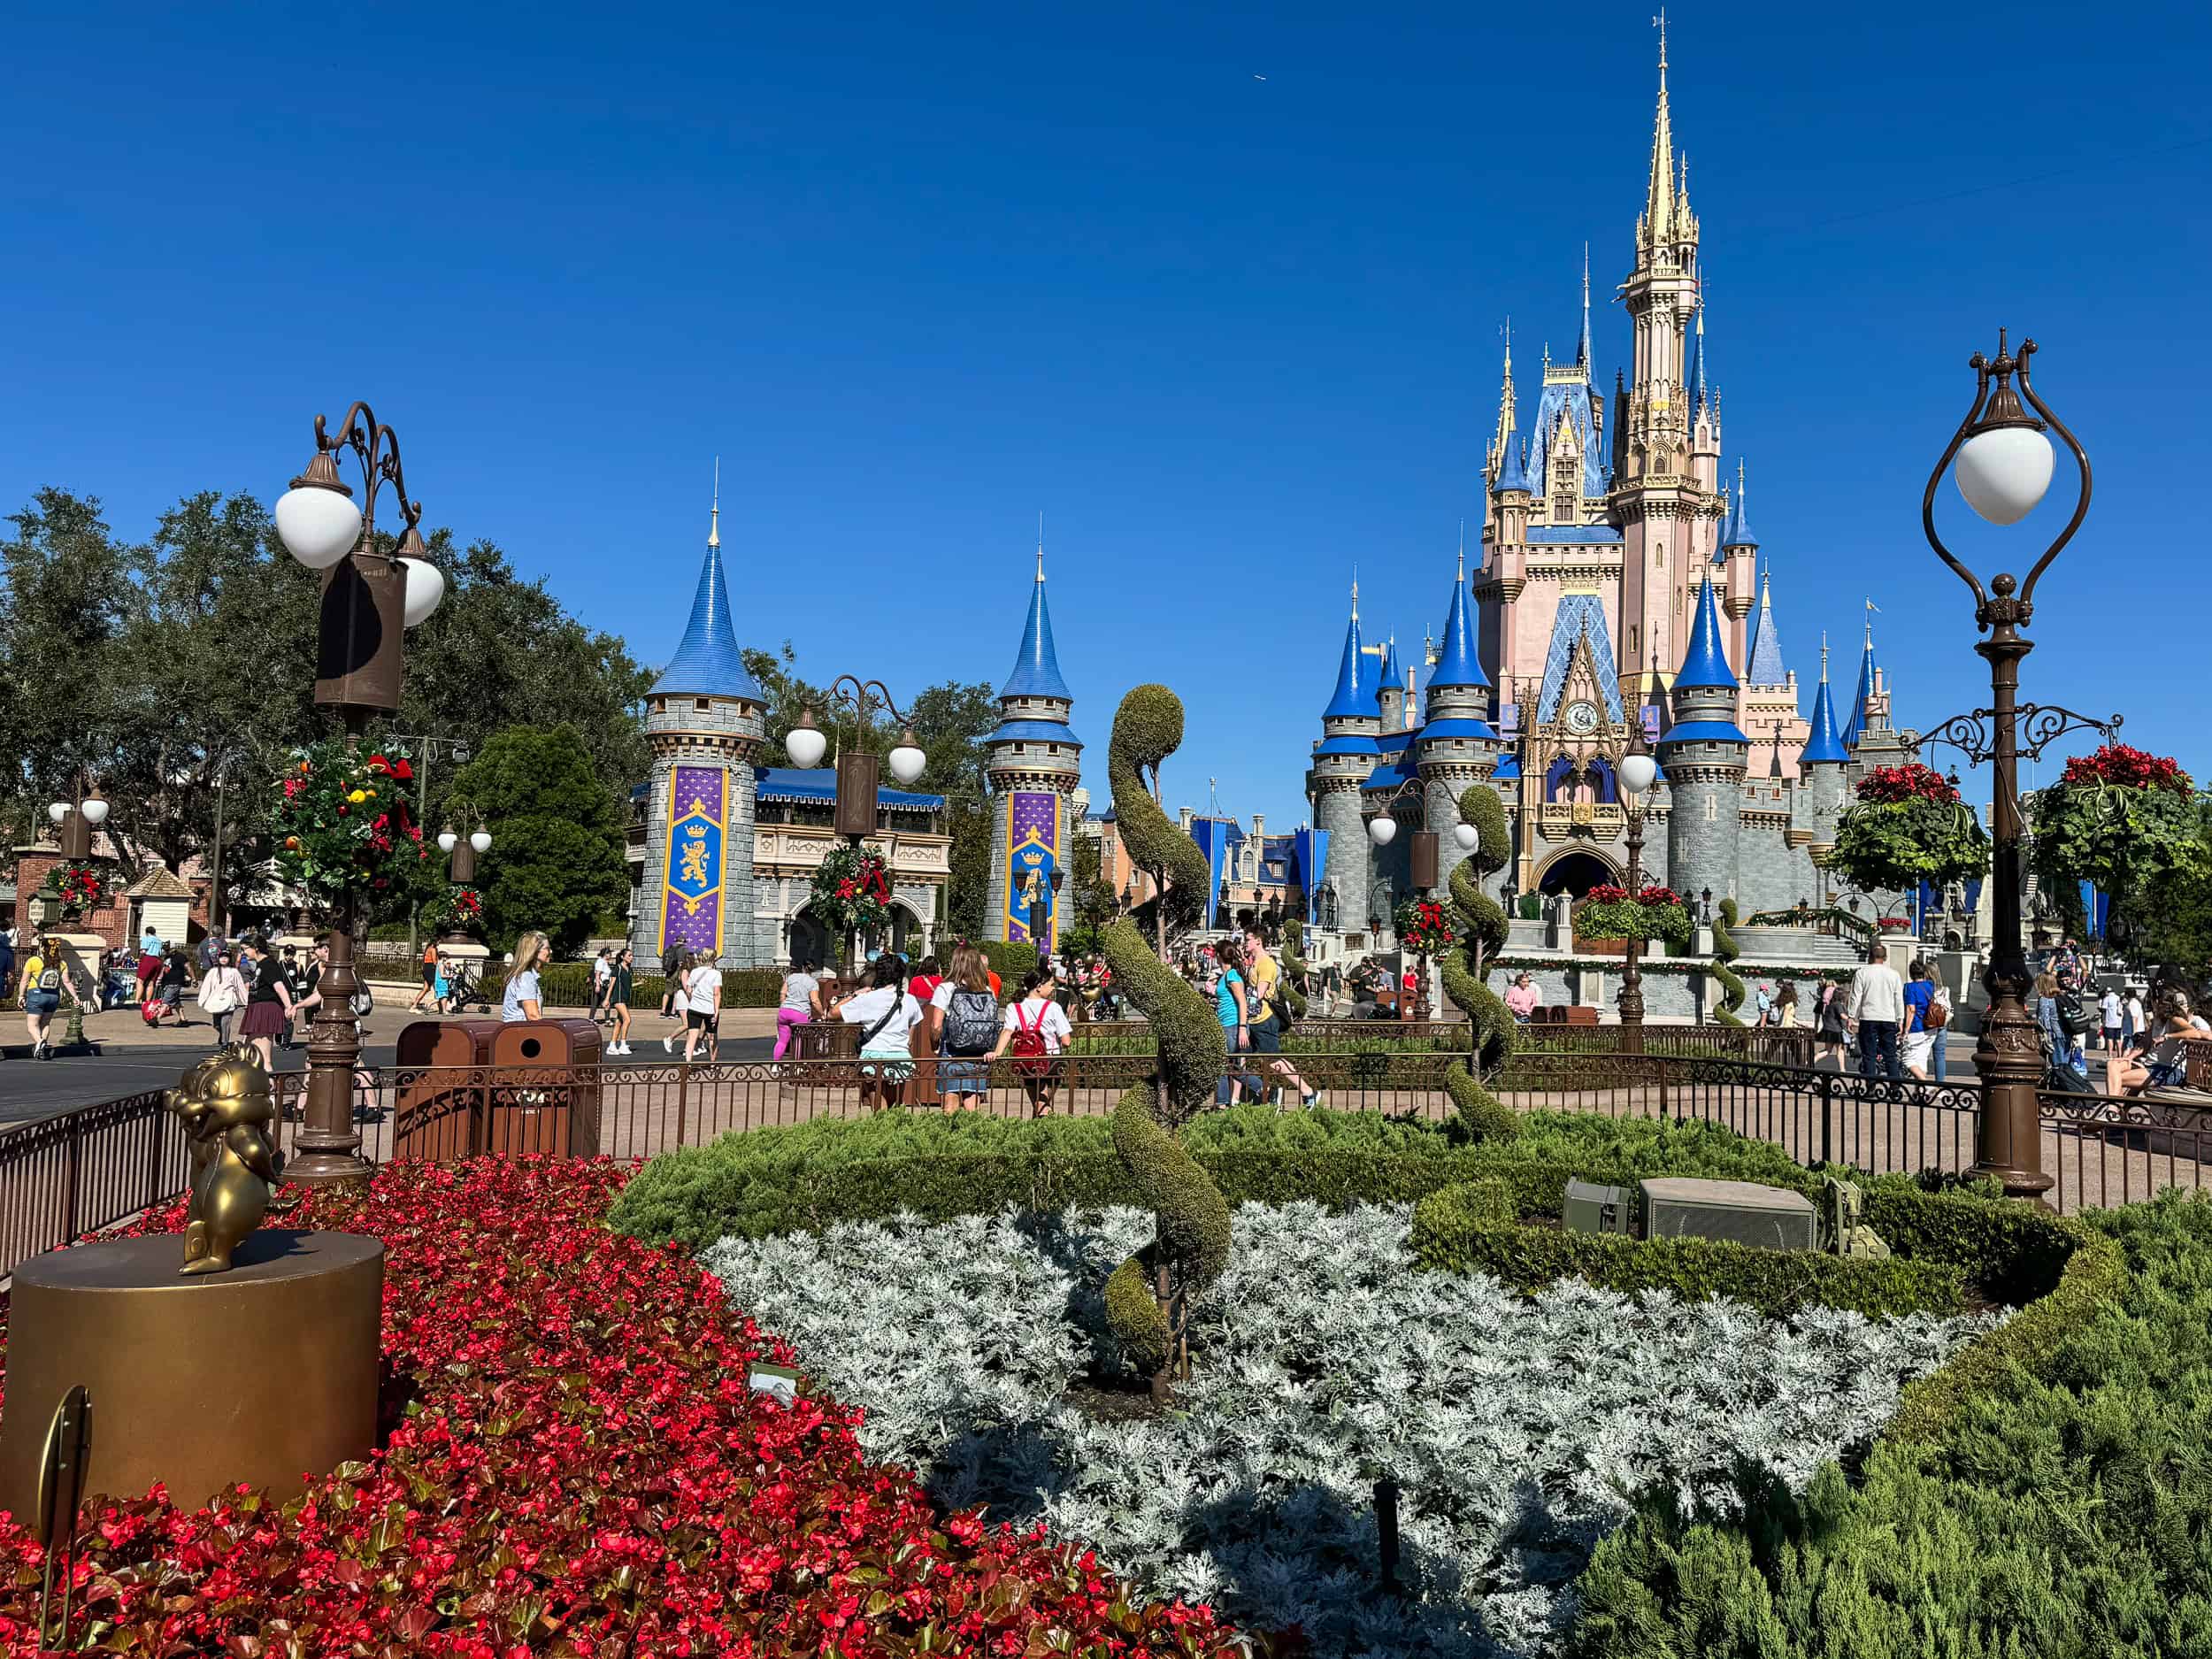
x=1351, y=700
x=1037, y=668
x=1823, y=744
x=708, y=663
x=1705, y=664
x=1735, y=530
x=1855, y=727
x=1767, y=667
x=1457, y=661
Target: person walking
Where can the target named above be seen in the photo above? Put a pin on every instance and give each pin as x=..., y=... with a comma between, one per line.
x=1917, y=1036
x=1764, y=1005
x=1830, y=1033
x=149, y=964
x=430, y=978
x=268, y=1004
x=886, y=1014
x=601, y=986
x=2047, y=992
x=1233, y=1010
x=965, y=1025
x=2109, y=1005
x=672, y=965
x=1265, y=977
x=45, y=979
x=703, y=1023
x=621, y=987
x=1938, y=1018
x=801, y=1001
x=521, y=999
x=2132, y=1023
x=169, y=988
x=1786, y=1005
x=1036, y=1030
x=212, y=945
x=222, y=994
x=1876, y=1010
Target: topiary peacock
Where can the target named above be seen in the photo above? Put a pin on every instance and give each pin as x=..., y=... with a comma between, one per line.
x=1192, y=1217
x=1478, y=920
x=1725, y=951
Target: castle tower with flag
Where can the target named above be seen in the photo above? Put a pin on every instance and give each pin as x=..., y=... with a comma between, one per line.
x=703, y=720
x=1035, y=767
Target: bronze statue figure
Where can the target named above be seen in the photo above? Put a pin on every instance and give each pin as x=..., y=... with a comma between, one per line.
x=228, y=1107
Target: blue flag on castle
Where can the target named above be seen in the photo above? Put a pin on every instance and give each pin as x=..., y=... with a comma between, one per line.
x=1212, y=836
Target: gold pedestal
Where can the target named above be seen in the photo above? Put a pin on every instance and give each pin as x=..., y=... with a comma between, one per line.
x=265, y=1374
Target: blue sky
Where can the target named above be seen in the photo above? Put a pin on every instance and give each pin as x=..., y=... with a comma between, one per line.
x=916, y=274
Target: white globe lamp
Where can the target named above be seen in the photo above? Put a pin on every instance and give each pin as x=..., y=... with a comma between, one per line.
x=1637, y=772
x=2003, y=471
x=907, y=760
x=1383, y=829
x=425, y=587
x=1466, y=837
x=481, y=841
x=318, y=524
x=804, y=741
x=448, y=841
x=57, y=810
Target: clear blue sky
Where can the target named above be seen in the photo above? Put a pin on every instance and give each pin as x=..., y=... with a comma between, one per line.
x=916, y=273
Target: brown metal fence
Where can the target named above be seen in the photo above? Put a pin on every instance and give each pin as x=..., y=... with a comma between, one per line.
x=97, y=1165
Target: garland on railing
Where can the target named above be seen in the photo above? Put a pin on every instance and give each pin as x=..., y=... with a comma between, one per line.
x=1662, y=964
x=1845, y=922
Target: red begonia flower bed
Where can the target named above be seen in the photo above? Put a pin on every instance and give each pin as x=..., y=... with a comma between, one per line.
x=575, y=1466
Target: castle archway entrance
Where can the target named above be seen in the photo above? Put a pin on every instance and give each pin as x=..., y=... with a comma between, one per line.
x=1575, y=873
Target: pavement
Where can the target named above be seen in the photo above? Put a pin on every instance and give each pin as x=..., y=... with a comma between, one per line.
x=130, y=1057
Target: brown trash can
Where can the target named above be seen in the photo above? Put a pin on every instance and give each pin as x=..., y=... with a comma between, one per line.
x=442, y=1088
x=544, y=1088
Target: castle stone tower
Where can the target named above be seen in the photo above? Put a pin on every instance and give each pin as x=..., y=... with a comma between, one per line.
x=1703, y=756
x=1342, y=762
x=1456, y=745
x=704, y=723
x=1036, y=765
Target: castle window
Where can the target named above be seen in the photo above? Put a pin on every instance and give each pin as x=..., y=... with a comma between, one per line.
x=1712, y=807
x=701, y=702
x=660, y=705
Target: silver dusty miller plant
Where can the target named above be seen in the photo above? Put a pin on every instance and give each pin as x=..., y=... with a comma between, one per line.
x=1520, y=1432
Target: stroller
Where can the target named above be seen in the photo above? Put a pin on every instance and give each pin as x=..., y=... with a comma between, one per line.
x=2060, y=1075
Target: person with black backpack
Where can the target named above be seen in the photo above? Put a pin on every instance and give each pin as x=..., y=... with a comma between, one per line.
x=964, y=1019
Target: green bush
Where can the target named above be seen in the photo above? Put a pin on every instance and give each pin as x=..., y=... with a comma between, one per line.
x=812, y=1175
x=2045, y=1493
x=1457, y=1230
x=1011, y=959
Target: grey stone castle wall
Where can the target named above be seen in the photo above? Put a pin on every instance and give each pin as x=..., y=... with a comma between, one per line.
x=1345, y=866
x=725, y=734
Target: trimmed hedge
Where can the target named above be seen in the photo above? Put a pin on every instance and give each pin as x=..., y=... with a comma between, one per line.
x=1010, y=959
x=813, y=1175
x=1455, y=1231
x=2047, y=1493
x=568, y=984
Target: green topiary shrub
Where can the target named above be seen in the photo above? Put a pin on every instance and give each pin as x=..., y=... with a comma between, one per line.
x=1290, y=951
x=1011, y=959
x=1192, y=1242
x=1481, y=923
x=1725, y=951
x=1451, y=1233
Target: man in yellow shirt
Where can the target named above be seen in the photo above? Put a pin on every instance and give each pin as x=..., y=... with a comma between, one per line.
x=1264, y=1022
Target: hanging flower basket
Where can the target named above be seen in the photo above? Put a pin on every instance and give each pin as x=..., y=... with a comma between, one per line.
x=1908, y=826
x=461, y=909
x=1652, y=912
x=2114, y=818
x=80, y=889
x=852, y=891
x=1424, y=927
x=341, y=821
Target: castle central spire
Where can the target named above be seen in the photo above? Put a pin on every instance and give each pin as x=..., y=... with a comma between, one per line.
x=1658, y=226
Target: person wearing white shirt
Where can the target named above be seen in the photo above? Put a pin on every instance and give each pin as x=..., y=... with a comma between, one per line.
x=1038, y=1015
x=887, y=1013
x=703, y=1014
x=2131, y=1021
x=1876, y=1009
x=2110, y=1007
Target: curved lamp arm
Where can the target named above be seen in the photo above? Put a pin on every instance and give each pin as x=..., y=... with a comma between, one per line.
x=2081, y=460
x=377, y=446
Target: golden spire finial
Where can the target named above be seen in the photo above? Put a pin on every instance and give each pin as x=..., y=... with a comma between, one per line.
x=714, y=516
x=1659, y=197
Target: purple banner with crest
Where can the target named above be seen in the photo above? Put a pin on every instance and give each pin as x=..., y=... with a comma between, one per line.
x=691, y=882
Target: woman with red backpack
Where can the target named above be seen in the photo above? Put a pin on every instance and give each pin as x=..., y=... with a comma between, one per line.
x=1036, y=1031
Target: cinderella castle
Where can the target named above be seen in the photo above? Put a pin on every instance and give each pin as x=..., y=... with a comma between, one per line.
x=1619, y=581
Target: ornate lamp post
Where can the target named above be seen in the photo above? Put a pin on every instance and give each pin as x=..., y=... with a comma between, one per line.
x=369, y=599
x=1637, y=772
x=462, y=852
x=2004, y=467
x=857, y=777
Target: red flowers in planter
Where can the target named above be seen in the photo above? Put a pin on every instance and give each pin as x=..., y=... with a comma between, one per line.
x=1911, y=781
x=578, y=1470
x=2128, y=768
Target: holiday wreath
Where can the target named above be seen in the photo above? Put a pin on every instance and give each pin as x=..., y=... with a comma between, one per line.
x=852, y=891
x=341, y=820
x=1424, y=927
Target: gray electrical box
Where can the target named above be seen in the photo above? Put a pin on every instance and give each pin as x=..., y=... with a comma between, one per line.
x=1597, y=1208
x=1741, y=1212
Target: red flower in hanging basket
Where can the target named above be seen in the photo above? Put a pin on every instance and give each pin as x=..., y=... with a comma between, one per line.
x=1910, y=782
x=2127, y=768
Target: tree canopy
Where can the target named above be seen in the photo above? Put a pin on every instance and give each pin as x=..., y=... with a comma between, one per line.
x=556, y=859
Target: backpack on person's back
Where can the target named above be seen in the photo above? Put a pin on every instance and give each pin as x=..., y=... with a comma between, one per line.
x=972, y=1023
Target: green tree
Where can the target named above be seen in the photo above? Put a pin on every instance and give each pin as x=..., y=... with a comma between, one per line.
x=555, y=862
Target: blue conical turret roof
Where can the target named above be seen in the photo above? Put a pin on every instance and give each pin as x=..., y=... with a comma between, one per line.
x=1855, y=728
x=1767, y=667
x=1513, y=474
x=1822, y=747
x=1037, y=669
x=1392, y=677
x=1351, y=701
x=708, y=663
x=1735, y=530
x=1706, y=662
x=1457, y=662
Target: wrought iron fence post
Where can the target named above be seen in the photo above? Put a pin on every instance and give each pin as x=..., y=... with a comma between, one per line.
x=683, y=1093
x=1827, y=1116
x=73, y=1173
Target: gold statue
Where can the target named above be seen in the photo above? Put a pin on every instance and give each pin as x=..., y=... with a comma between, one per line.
x=228, y=1107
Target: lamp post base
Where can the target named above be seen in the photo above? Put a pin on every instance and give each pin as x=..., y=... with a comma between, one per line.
x=2008, y=1143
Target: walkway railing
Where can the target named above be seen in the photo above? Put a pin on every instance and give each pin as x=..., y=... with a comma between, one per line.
x=90, y=1167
